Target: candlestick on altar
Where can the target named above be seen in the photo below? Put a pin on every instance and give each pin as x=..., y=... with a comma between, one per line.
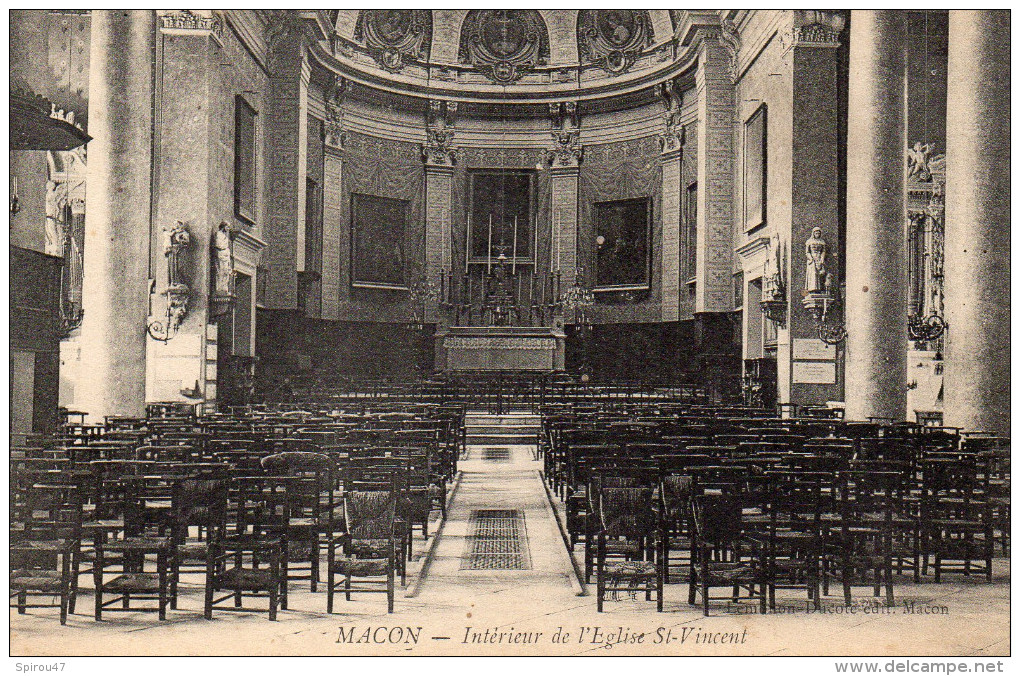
x=466, y=289
x=488, y=267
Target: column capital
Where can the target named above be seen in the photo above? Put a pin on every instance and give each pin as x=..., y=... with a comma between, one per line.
x=438, y=148
x=567, y=150
x=193, y=23
x=813, y=28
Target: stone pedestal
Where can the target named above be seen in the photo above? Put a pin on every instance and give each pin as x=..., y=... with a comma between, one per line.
x=117, y=221
x=876, y=283
x=977, y=373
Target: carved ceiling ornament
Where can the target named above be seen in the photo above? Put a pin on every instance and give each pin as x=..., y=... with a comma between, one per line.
x=613, y=38
x=504, y=43
x=393, y=34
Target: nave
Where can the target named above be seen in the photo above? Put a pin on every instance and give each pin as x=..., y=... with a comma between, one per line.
x=535, y=587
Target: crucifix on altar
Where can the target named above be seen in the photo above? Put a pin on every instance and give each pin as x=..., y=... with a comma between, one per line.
x=500, y=285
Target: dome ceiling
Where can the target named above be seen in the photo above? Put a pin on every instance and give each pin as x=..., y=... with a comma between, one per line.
x=504, y=56
x=506, y=44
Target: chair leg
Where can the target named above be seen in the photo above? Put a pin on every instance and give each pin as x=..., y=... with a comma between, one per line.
x=389, y=590
x=64, y=600
x=330, y=583
x=347, y=586
x=161, y=563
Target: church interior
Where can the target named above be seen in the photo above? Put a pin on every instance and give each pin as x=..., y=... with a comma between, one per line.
x=678, y=320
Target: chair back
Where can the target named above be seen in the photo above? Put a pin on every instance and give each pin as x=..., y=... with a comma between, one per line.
x=627, y=512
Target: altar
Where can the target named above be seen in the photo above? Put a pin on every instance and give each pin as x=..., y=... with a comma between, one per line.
x=500, y=348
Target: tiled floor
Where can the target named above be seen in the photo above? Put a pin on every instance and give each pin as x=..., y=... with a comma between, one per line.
x=538, y=611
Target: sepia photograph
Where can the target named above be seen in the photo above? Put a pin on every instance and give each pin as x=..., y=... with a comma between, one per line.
x=520, y=332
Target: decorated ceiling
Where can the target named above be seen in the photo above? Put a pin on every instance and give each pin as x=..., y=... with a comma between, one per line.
x=504, y=45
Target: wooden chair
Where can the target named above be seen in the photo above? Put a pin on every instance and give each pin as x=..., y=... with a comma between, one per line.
x=956, y=518
x=858, y=544
x=626, y=516
x=247, y=558
x=367, y=551
x=722, y=556
x=45, y=541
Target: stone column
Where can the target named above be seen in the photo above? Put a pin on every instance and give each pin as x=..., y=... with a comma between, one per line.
x=671, y=147
x=715, y=92
x=977, y=222
x=332, y=194
x=286, y=160
x=565, y=160
x=876, y=259
x=117, y=215
x=439, y=157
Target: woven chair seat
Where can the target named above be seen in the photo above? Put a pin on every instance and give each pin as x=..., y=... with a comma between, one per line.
x=136, y=543
x=361, y=567
x=55, y=546
x=245, y=579
x=37, y=580
x=630, y=570
x=137, y=583
x=728, y=573
x=370, y=549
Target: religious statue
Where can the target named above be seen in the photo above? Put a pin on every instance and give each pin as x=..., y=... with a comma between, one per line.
x=224, y=245
x=917, y=161
x=175, y=240
x=816, y=275
x=772, y=278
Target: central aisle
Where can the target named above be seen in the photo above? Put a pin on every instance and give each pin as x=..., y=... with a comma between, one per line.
x=490, y=480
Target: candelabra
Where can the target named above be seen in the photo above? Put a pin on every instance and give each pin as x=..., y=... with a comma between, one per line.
x=579, y=301
x=925, y=329
x=819, y=304
x=423, y=293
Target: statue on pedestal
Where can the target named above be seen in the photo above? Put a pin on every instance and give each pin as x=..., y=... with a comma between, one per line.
x=175, y=240
x=773, y=287
x=816, y=274
x=223, y=243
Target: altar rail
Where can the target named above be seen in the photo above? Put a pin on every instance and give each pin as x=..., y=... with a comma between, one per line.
x=496, y=393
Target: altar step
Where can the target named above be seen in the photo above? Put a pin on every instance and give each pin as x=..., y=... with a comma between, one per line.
x=502, y=430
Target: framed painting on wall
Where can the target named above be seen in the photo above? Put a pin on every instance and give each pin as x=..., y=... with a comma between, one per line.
x=622, y=252
x=244, y=160
x=378, y=227
x=755, y=168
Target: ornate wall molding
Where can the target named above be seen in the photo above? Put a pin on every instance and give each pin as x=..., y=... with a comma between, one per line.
x=613, y=38
x=391, y=35
x=504, y=44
